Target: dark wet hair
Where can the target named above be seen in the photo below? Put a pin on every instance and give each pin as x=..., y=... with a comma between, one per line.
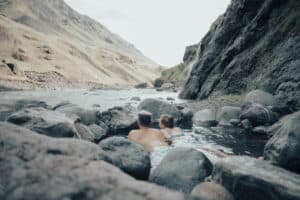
x=167, y=121
x=145, y=118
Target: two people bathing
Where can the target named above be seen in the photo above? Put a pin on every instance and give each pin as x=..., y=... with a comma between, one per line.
x=150, y=137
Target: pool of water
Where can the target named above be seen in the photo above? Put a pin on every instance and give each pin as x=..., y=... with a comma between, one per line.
x=229, y=140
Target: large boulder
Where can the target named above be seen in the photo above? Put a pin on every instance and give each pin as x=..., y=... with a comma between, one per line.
x=86, y=117
x=205, y=118
x=119, y=120
x=158, y=107
x=128, y=156
x=284, y=147
x=34, y=166
x=183, y=175
x=249, y=178
x=211, y=191
x=45, y=122
x=258, y=115
x=228, y=113
x=260, y=97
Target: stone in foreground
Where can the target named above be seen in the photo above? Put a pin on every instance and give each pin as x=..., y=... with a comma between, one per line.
x=249, y=178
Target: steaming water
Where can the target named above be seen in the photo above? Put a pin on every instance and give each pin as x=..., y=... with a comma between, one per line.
x=228, y=140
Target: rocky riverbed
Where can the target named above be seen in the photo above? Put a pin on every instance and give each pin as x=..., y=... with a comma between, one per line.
x=72, y=145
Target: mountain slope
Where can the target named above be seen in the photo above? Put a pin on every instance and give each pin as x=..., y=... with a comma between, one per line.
x=45, y=36
x=254, y=45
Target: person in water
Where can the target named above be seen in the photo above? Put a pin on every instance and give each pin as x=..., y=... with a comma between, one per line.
x=166, y=124
x=146, y=136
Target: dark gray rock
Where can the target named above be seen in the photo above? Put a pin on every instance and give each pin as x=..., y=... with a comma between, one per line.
x=246, y=124
x=190, y=53
x=128, y=156
x=205, y=118
x=258, y=115
x=260, y=130
x=254, y=45
x=119, y=120
x=186, y=119
x=284, y=147
x=235, y=122
x=86, y=117
x=249, y=178
x=13, y=67
x=211, y=191
x=100, y=132
x=84, y=132
x=182, y=169
x=46, y=122
x=158, y=83
x=34, y=166
x=227, y=113
x=158, y=108
x=141, y=85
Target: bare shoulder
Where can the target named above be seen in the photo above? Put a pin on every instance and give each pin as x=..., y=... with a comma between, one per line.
x=132, y=134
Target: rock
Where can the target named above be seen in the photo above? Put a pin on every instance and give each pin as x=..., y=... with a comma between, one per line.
x=186, y=118
x=35, y=166
x=235, y=58
x=258, y=115
x=170, y=99
x=249, y=178
x=246, y=124
x=211, y=191
x=100, y=132
x=167, y=86
x=260, y=130
x=13, y=67
x=119, y=120
x=130, y=157
x=158, y=108
x=260, y=97
x=227, y=113
x=87, y=117
x=235, y=122
x=284, y=147
x=173, y=173
x=141, y=85
x=45, y=122
x=84, y=132
x=158, y=83
x=135, y=99
x=205, y=118
x=5, y=71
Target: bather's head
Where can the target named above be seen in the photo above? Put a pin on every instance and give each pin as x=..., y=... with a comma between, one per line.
x=144, y=119
x=166, y=121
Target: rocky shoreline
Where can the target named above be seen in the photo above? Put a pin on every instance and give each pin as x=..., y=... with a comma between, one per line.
x=69, y=152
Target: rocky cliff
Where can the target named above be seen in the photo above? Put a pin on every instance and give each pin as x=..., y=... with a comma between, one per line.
x=47, y=36
x=254, y=45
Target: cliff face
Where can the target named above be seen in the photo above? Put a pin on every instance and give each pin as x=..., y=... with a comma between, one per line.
x=45, y=36
x=254, y=45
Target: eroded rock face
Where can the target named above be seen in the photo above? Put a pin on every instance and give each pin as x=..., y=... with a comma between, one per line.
x=34, y=166
x=128, y=156
x=284, y=147
x=249, y=178
x=182, y=169
x=46, y=122
x=254, y=45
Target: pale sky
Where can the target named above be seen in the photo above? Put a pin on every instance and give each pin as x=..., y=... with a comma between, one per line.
x=161, y=29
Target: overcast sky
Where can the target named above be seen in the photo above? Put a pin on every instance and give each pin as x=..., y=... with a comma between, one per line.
x=161, y=29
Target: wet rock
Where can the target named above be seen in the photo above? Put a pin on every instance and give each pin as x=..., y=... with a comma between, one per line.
x=100, y=132
x=84, y=132
x=170, y=99
x=284, y=147
x=211, y=191
x=235, y=122
x=260, y=130
x=158, y=83
x=173, y=173
x=128, y=156
x=249, y=178
x=135, y=99
x=205, y=118
x=186, y=120
x=260, y=97
x=119, y=120
x=227, y=113
x=158, y=108
x=141, y=85
x=45, y=122
x=86, y=117
x=35, y=166
x=258, y=115
x=246, y=124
